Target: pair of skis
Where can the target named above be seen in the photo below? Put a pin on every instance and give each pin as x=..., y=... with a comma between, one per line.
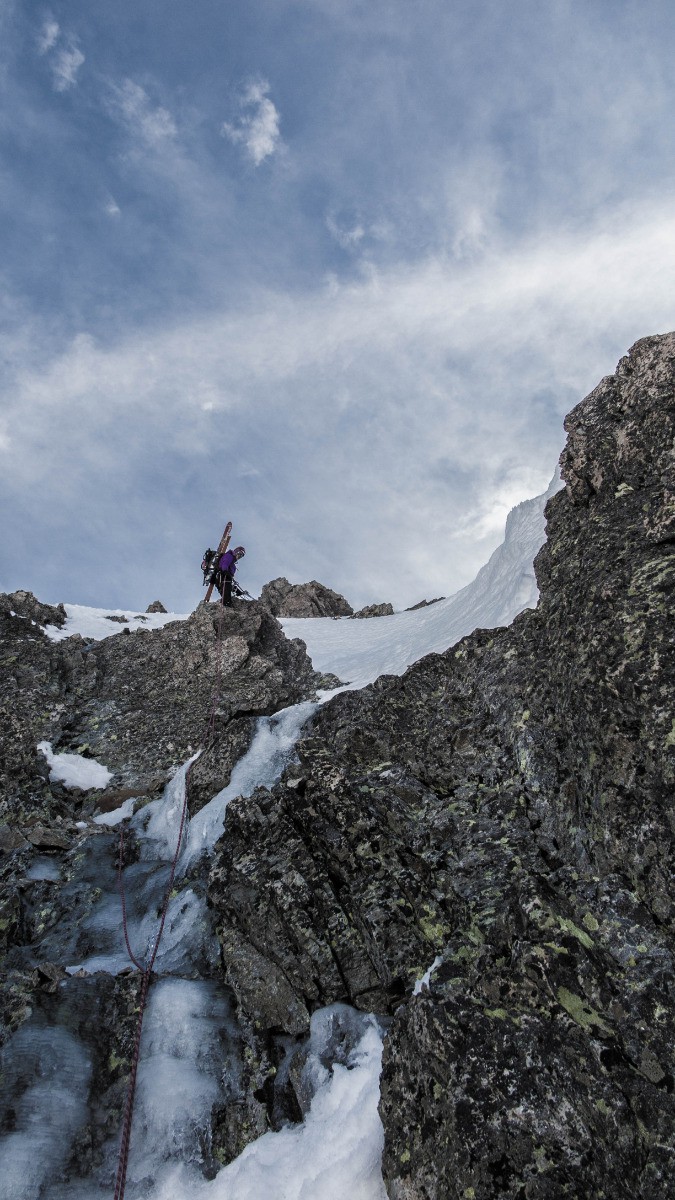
x=222, y=547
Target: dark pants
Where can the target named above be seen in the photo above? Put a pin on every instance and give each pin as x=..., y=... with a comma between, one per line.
x=226, y=589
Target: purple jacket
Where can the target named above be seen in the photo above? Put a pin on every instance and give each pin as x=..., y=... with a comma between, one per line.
x=228, y=562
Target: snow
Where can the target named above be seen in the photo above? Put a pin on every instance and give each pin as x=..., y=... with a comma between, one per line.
x=93, y=624
x=359, y=651
x=336, y=1152
x=118, y=814
x=74, y=770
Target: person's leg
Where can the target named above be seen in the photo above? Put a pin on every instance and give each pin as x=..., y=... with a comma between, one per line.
x=227, y=591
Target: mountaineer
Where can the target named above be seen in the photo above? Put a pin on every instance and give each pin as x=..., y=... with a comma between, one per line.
x=227, y=567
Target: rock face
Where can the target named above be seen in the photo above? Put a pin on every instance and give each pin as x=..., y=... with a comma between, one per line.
x=137, y=702
x=375, y=610
x=156, y=607
x=505, y=808
x=285, y=599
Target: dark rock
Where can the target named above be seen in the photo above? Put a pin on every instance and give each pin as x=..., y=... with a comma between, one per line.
x=374, y=610
x=156, y=607
x=48, y=838
x=11, y=839
x=312, y=599
x=25, y=604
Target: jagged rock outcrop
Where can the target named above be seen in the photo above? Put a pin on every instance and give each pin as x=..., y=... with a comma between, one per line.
x=507, y=808
x=137, y=702
x=374, y=610
x=313, y=599
x=156, y=607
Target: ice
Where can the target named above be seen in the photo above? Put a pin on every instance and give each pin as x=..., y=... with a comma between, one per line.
x=163, y=827
x=43, y=1093
x=358, y=652
x=93, y=624
x=43, y=869
x=423, y=982
x=186, y=1067
x=335, y=1153
x=188, y=940
x=74, y=770
x=261, y=766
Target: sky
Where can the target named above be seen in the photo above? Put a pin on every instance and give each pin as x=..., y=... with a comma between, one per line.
x=335, y=270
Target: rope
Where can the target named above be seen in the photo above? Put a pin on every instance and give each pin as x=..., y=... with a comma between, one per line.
x=146, y=972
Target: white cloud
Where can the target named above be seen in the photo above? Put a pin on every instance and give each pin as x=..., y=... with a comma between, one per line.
x=48, y=35
x=65, y=65
x=347, y=238
x=258, y=126
x=65, y=56
x=112, y=208
x=401, y=416
x=153, y=124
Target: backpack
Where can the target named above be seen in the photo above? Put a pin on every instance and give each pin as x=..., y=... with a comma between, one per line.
x=209, y=565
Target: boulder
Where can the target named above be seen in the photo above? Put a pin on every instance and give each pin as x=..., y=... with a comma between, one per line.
x=313, y=599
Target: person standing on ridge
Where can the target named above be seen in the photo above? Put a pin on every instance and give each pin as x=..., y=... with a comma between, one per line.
x=227, y=565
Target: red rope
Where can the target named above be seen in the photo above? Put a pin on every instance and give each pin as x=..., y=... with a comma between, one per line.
x=146, y=972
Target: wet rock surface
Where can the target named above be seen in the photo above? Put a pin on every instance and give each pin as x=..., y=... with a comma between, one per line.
x=505, y=808
x=313, y=599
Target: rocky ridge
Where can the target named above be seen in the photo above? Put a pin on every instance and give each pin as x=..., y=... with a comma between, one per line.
x=506, y=809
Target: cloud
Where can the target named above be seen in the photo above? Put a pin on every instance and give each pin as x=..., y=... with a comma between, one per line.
x=112, y=208
x=347, y=238
x=65, y=65
x=65, y=56
x=48, y=35
x=371, y=435
x=153, y=124
x=258, y=126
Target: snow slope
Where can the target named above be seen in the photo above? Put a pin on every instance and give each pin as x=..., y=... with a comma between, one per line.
x=96, y=624
x=358, y=651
